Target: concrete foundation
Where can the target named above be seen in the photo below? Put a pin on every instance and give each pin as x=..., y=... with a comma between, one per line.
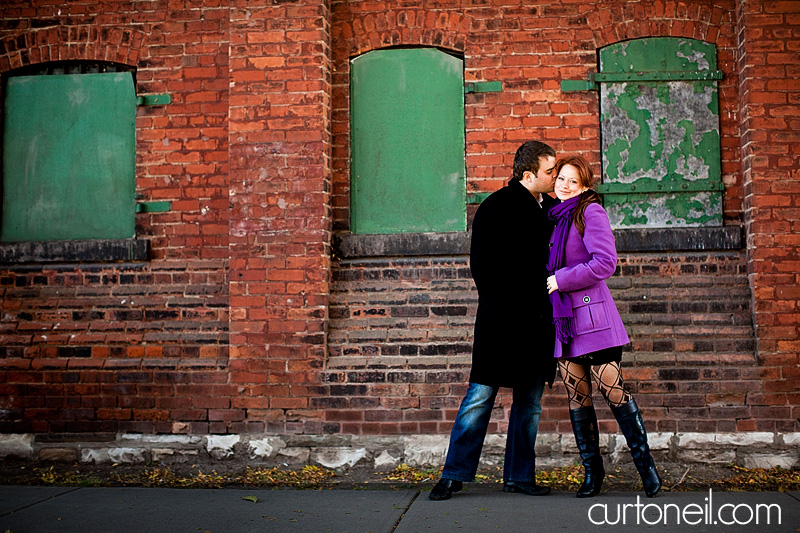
x=751, y=450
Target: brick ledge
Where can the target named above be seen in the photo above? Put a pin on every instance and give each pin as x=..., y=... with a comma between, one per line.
x=100, y=250
x=351, y=246
x=348, y=245
x=679, y=239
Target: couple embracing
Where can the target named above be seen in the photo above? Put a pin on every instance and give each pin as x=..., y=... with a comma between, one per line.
x=522, y=239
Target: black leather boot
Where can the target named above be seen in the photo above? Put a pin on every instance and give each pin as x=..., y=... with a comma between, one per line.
x=587, y=437
x=631, y=424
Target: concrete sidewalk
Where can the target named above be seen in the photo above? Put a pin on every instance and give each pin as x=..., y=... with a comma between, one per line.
x=479, y=509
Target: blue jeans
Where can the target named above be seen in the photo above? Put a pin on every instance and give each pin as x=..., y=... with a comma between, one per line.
x=472, y=421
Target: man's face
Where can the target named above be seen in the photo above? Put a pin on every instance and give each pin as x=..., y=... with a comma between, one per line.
x=544, y=180
x=547, y=173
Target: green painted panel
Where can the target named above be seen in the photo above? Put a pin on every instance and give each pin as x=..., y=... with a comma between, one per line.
x=407, y=142
x=69, y=157
x=658, y=54
x=661, y=136
x=663, y=210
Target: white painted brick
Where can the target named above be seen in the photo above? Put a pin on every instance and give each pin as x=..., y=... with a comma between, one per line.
x=266, y=448
x=293, y=455
x=770, y=460
x=425, y=450
x=160, y=439
x=113, y=455
x=221, y=446
x=171, y=455
x=338, y=457
x=16, y=445
x=385, y=461
x=704, y=447
x=747, y=439
x=791, y=439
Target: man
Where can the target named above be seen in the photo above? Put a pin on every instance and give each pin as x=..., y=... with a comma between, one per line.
x=513, y=342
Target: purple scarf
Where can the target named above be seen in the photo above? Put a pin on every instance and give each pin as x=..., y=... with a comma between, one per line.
x=562, y=215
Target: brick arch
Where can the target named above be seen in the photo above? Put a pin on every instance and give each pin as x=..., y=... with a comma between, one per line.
x=406, y=27
x=621, y=22
x=62, y=43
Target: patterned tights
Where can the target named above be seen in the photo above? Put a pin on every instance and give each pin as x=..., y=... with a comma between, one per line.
x=579, y=385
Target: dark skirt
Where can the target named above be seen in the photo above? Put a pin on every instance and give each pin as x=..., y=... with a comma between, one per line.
x=600, y=357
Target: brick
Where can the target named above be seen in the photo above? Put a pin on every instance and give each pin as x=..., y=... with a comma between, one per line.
x=235, y=275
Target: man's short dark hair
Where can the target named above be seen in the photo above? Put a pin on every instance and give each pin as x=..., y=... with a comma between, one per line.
x=527, y=157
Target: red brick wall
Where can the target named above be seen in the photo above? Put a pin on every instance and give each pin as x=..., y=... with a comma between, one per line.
x=242, y=322
x=401, y=337
x=689, y=314
x=530, y=49
x=131, y=347
x=280, y=215
x=768, y=59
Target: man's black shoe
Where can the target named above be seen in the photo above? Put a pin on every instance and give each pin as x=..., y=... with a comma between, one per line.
x=444, y=489
x=531, y=489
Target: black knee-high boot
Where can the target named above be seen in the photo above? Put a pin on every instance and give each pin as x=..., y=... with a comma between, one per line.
x=587, y=437
x=631, y=424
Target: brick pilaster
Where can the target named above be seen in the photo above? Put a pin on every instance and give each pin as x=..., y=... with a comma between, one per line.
x=280, y=221
x=769, y=36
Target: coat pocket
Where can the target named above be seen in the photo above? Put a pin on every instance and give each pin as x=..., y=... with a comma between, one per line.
x=589, y=311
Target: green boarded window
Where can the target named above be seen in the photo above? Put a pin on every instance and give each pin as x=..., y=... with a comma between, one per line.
x=407, y=142
x=660, y=133
x=68, y=157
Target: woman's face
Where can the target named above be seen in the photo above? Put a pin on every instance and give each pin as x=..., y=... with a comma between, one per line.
x=568, y=183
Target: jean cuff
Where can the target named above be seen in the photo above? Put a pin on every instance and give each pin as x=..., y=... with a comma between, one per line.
x=464, y=478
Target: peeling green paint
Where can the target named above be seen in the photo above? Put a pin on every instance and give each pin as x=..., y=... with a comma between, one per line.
x=658, y=54
x=663, y=209
x=661, y=134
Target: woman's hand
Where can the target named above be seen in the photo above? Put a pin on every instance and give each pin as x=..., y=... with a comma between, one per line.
x=552, y=285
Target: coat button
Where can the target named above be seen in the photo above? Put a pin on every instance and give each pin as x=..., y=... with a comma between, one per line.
x=586, y=299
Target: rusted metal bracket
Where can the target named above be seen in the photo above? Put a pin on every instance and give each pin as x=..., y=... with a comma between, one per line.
x=153, y=99
x=665, y=186
x=153, y=207
x=610, y=77
x=685, y=75
x=483, y=87
x=477, y=198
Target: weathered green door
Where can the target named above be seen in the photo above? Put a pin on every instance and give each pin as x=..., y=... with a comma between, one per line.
x=407, y=142
x=69, y=157
x=660, y=133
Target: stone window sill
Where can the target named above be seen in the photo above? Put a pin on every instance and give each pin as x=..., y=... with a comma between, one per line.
x=350, y=246
x=93, y=251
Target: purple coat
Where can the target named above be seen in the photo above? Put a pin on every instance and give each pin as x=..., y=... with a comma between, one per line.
x=588, y=261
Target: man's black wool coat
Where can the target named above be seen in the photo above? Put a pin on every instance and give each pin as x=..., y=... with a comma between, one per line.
x=508, y=259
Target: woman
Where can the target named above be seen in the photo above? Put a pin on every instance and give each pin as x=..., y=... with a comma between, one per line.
x=589, y=331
